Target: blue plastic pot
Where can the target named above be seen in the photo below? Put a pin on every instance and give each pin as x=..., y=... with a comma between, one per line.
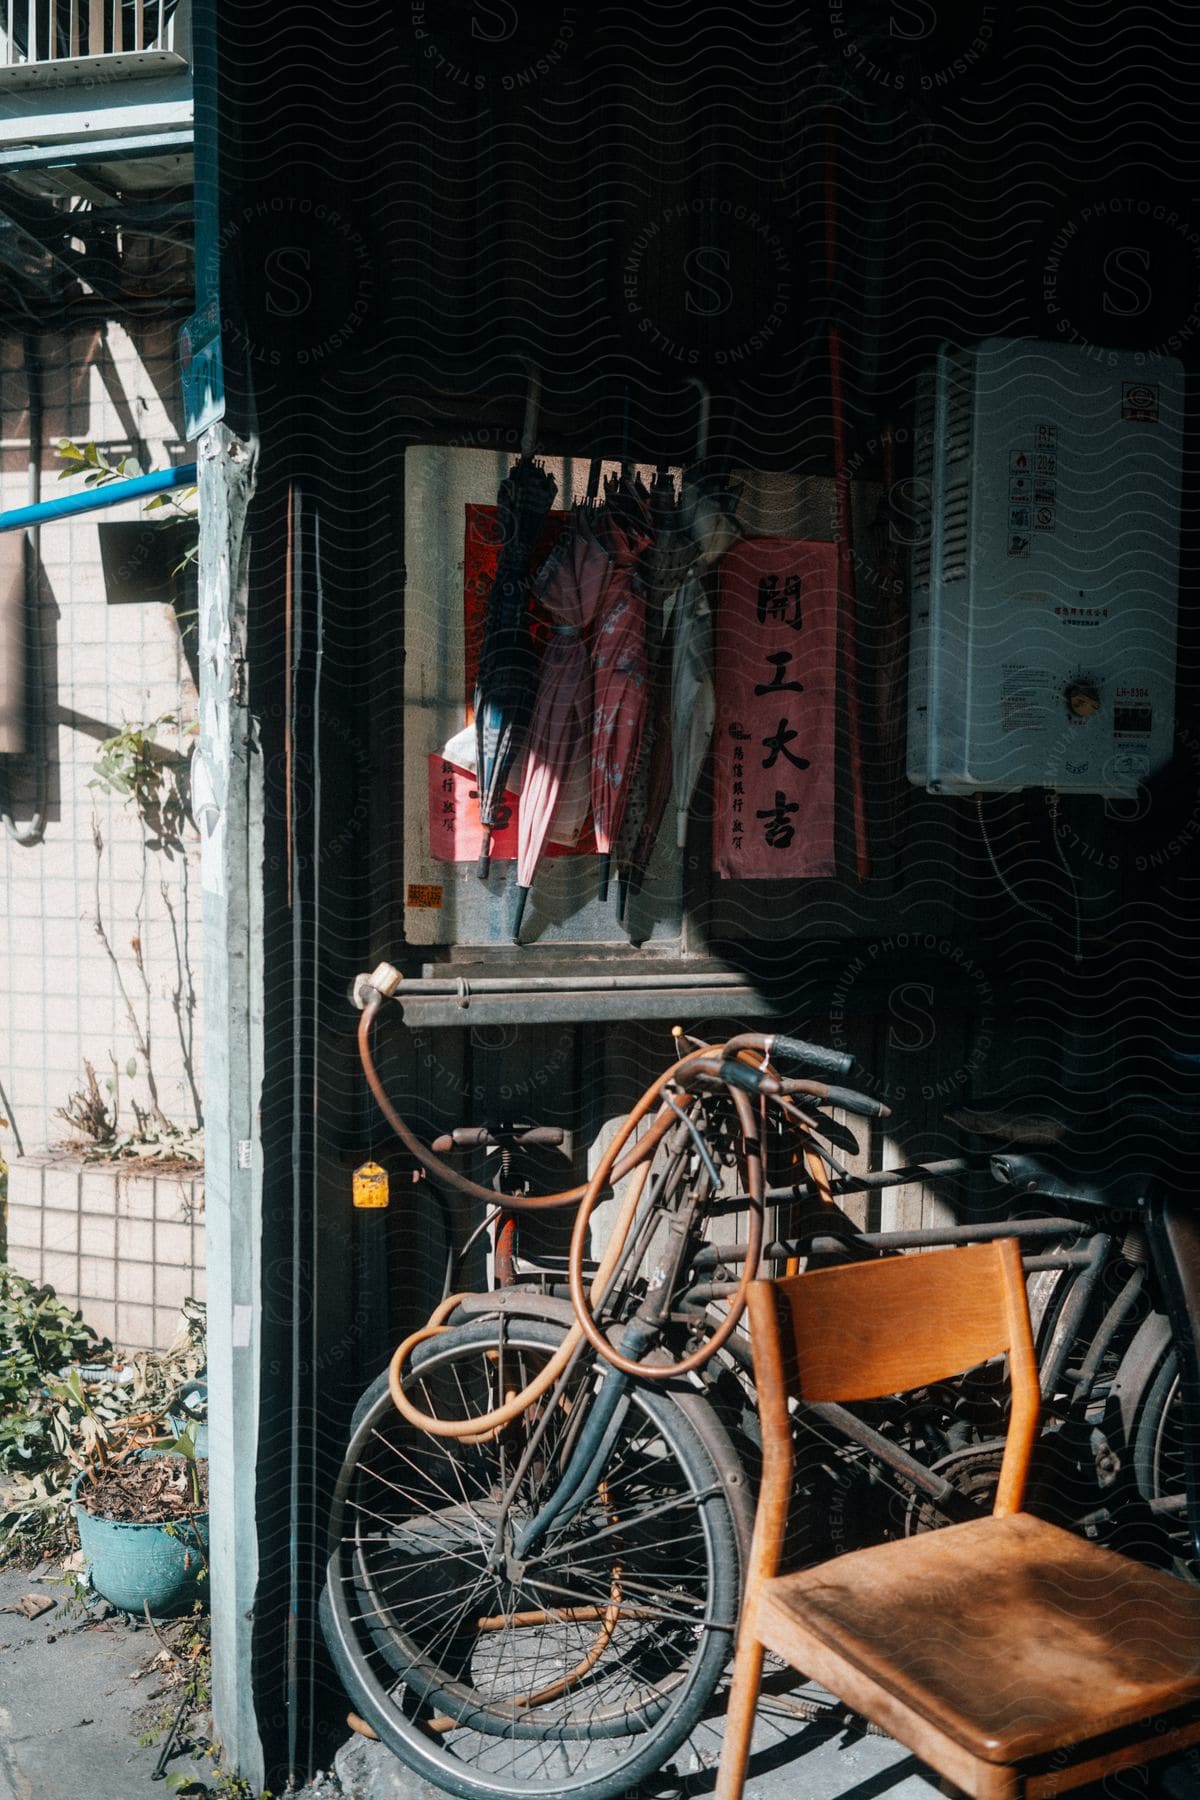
x=132, y=1564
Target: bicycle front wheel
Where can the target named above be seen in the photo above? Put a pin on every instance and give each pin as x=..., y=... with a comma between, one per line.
x=576, y=1671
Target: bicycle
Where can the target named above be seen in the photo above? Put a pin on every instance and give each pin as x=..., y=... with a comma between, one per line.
x=535, y=1573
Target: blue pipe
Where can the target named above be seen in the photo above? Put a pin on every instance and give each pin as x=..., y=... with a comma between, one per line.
x=96, y=499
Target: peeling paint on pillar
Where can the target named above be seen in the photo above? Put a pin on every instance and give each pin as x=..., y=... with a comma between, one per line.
x=227, y=799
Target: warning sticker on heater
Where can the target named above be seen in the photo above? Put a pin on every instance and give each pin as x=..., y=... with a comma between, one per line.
x=1043, y=518
x=1023, y=694
x=1139, y=400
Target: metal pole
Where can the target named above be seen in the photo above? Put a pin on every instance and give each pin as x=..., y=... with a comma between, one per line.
x=113, y=493
x=438, y=987
x=29, y=630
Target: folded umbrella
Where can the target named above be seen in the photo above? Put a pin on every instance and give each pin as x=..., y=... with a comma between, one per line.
x=662, y=568
x=555, y=787
x=619, y=666
x=506, y=681
x=707, y=517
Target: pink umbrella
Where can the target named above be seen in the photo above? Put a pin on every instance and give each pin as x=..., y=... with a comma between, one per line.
x=619, y=668
x=555, y=796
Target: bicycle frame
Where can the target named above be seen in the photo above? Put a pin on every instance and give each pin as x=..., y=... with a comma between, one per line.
x=577, y=1479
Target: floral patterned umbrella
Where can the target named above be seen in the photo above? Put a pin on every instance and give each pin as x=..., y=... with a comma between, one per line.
x=555, y=788
x=619, y=665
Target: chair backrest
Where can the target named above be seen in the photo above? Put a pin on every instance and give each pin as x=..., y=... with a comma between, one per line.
x=860, y=1330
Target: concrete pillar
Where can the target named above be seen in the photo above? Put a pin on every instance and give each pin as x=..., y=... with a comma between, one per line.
x=227, y=805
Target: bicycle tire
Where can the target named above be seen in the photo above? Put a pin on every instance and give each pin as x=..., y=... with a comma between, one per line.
x=1159, y=1455
x=410, y=1648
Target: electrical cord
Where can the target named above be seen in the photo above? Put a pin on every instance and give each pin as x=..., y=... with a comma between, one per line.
x=1070, y=875
x=1001, y=877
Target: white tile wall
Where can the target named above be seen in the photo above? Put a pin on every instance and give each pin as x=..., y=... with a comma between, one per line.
x=127, y=1270
x=127, y=1251
x=108, y=665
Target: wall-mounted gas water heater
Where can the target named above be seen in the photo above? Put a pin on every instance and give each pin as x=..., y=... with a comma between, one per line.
x=1045, y=592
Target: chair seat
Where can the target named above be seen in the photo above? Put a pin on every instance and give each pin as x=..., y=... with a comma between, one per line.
x=1013, y=1637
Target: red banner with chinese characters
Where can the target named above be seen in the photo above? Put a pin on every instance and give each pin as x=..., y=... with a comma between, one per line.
x=454, y=828
x=774, y=791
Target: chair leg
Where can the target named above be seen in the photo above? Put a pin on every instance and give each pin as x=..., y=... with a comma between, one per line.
x=739, y=1719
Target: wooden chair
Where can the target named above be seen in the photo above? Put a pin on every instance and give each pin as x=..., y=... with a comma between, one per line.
x=1014, y=1657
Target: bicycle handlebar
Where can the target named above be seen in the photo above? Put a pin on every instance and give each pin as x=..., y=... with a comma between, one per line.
x=815, y=1056
x=761, y=1081
x=851, y=1101
x=372, y=990
x=478, y=1137
x=744, y=1076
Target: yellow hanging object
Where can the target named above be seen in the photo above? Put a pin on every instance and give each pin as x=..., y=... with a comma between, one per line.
x=370, y=1186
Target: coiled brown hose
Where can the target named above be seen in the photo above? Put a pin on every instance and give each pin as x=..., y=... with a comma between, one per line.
x=479, y=1430
x=657, y=1371
x=612, y=1168
x=461, y=1183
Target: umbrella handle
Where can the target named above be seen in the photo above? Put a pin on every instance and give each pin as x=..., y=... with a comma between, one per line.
x=483, y=867
x=705, y=394
x=522, y=897
x=533, y=407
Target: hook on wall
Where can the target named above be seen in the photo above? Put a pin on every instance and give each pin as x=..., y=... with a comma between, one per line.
x=533, y=406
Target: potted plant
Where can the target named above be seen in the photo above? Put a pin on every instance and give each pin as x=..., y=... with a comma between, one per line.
x=83, y=1440
x=143, y=1522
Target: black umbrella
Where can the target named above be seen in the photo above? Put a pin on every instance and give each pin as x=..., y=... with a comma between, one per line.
x=506, y=682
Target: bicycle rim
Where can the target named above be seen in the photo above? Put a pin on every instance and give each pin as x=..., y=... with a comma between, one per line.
x=577, y=1673
x=1160, y=1458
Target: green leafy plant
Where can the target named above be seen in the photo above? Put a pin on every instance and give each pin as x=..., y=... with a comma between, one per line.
x=57, y=1417
x=134, y=766
x=91, y=462
x=98, y=470
x=185, y=1446
x=39, y=1335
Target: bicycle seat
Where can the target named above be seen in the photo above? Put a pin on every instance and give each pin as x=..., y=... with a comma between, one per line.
x=1032, y=1130
x=1059, y=1179
x=1102, y=1153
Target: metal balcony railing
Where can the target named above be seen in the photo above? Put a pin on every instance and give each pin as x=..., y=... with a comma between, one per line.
x=45, y=33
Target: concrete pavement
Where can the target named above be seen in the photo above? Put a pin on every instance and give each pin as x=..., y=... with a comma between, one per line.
x=71, y=1690
x=69, y=1725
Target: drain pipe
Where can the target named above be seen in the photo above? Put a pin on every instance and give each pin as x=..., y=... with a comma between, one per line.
x=29, y=835
x=99, y=499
